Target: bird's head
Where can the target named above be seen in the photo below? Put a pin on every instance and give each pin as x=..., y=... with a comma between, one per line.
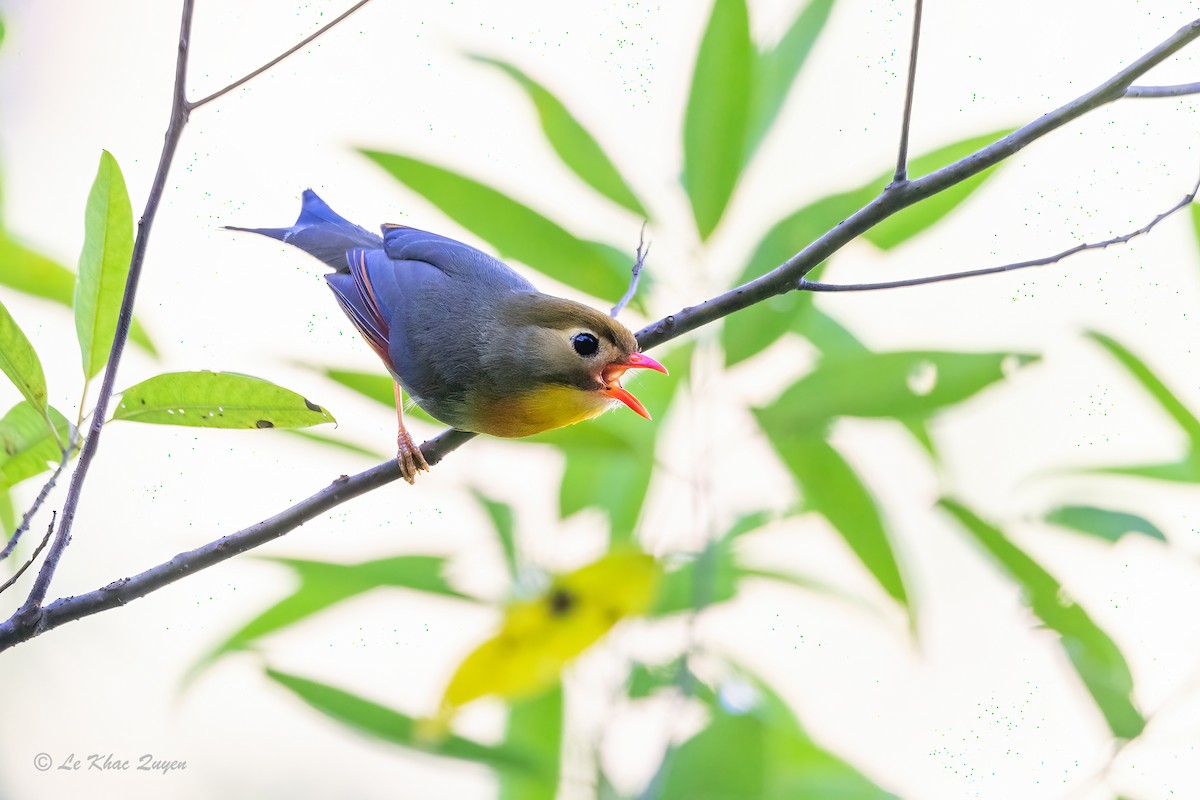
x=560, y=342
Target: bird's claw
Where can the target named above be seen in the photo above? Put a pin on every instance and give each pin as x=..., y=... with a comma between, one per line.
x=409, y=457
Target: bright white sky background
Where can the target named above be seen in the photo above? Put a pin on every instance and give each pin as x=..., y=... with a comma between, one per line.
x=984, y=708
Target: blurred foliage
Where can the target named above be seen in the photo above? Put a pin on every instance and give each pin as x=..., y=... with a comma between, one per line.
x=538, y=637
x=1103, y=523
x=1095, y=656
x=750, y=744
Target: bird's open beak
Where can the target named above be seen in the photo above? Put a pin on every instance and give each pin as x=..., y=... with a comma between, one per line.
x=612, y=380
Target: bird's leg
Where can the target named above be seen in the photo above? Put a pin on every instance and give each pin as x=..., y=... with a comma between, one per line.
x=408, y=455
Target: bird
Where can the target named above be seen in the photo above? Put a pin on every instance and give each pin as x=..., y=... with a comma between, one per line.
x=469, y=340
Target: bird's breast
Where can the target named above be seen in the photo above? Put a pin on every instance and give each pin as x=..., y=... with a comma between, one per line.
x=541, y=409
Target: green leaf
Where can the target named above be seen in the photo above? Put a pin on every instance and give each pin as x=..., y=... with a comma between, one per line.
x=1151, y=383
x=776, y=69
x=907, y=223
x=20, y=363
x=501, y=515
x=714, y=128
x=760, y=753
x=1195, y=209
x=103, y=264
x=535, y=729
x=340, y=444
x=324, y=584
x=33, y=274
x=610, y=460
x=1185, y=471
x=753, y=329
x=725, y=761
x=1, y=31
x=697, y=583
x=29, y=446
x=393, y=727
x=577, y=148
x=898, y=384
x=833, y=489
x=217, y=400
x=833, y=340
x=8, y=514
x=647, y=679
x=828, y=335
x=1095, y=657
x=514, y=230
x=1103, y=523
x=375, y=386
x=799, y=767
x=806, y=583
x=748, y=523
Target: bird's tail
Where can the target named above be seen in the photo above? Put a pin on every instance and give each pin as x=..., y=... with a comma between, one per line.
x=321, y=232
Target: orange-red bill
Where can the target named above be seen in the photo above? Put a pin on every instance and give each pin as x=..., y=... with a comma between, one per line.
x=612, y=377
x=619, y=392
x=643, y=361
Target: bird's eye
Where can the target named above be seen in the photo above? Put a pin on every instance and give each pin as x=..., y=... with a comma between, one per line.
x=586, y=344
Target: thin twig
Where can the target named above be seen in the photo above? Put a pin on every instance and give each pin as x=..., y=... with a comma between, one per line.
x=1178, y=90
x=41, y=498
x=905, y=124
x=812, y=286
x=631, y=292
x=193, y=105
x=786, y=277
x=781, y=280
x=37, y=551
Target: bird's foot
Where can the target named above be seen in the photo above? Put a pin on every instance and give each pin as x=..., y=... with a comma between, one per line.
x=409, y=457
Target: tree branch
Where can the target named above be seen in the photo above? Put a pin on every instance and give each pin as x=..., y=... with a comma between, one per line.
x=631, y=292
x=33, y=557
x=783, y=279
x=29, y=615
x=193, y=105
x=1178, y=90
x=809, y=286
x=41, y=498
x=787, y=276
x=902, y=159
x=120, y=592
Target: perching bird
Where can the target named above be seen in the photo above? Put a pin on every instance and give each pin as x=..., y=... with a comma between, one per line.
x=472, y=342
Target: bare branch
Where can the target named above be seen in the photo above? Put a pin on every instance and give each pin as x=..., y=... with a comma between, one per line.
x=37, y=551
x=631, y=292
x=192, y=106
x=905, y=124
x=37, y=501
x=1178, y=90
x=810, y=286
x=786, y=277
x=120, y=592
x=781, y=280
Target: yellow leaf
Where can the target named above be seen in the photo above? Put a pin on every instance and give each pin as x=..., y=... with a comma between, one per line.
x=538, y=637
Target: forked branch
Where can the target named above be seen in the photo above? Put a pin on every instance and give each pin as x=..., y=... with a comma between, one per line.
x=812, y=286
x=785, y=278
